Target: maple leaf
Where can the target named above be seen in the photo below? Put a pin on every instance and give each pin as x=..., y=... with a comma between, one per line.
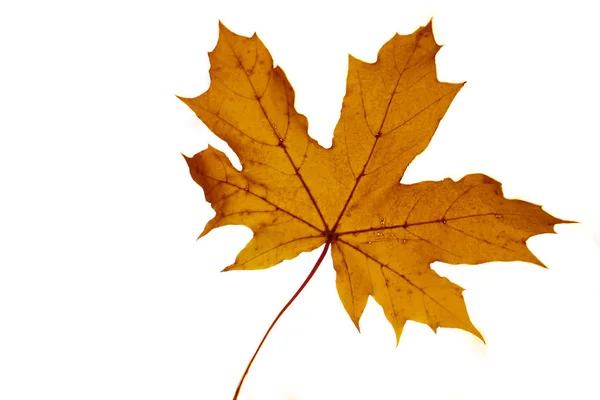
x=296, y=195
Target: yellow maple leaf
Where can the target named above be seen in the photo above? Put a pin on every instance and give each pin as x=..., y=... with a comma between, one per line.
x=296, y=195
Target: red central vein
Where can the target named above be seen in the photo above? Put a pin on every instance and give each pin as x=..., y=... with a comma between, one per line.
x=408, y=225
x=277, y=208
x=280, y=139
x=377, y=136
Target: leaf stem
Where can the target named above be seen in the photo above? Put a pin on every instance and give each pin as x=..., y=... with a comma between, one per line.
x=300, y=289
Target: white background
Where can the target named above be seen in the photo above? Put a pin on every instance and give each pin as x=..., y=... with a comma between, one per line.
x=104, y=292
